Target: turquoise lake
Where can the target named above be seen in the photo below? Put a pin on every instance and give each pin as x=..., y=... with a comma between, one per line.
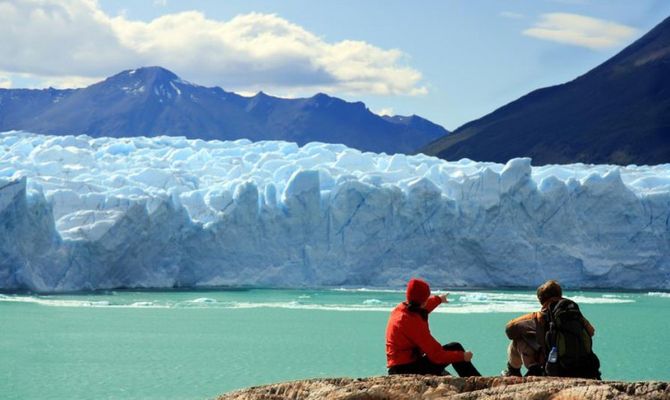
x=199, y=344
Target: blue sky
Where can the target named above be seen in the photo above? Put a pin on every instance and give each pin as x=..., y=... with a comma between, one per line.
x=450, y=61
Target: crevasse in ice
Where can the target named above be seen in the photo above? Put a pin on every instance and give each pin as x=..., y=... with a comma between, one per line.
x=80, y=213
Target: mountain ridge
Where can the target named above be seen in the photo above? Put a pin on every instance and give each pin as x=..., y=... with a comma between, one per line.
x=151, y=101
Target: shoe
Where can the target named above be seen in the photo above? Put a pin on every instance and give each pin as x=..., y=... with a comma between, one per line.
x=511, y=371
x=535, y=370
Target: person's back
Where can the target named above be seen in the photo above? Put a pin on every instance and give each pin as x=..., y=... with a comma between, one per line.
x=410, y=347
x=533, y=336
x=569, y=347
x=405, y=329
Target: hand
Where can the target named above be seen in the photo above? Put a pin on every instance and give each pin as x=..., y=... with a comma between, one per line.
x=467, y=356
x=443, y=297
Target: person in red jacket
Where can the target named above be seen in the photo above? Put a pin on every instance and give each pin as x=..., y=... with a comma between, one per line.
x=410, y=348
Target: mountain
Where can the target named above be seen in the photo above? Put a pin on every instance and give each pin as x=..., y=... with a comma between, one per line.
x=153, y=101
x=617, y=113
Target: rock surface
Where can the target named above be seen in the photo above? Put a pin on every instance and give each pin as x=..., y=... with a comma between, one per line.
x=434, y=387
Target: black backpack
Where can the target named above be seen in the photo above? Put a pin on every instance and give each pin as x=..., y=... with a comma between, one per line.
x=569, y=346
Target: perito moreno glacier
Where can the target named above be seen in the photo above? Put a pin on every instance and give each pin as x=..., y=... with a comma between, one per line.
x=78, y=213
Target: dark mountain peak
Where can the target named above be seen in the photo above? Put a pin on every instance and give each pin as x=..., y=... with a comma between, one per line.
x=617, y=113
x=322, y=100
x=145, y=76
x=153, y=74
x=264, y=96
x=261, y=102
x=321, y=97
x=145, y=82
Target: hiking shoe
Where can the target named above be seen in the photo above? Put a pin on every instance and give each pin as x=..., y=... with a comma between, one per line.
x=535, y=370
x=511, y=371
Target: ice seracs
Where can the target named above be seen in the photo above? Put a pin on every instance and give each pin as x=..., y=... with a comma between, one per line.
x=83, y=213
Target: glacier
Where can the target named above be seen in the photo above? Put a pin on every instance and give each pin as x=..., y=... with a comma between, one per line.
x=82, y=213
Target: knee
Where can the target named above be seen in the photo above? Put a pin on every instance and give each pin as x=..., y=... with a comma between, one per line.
x=512, y=347
x=453, y=346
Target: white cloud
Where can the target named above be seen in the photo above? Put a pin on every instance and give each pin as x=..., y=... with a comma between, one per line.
x=68, y=82
x=385, y=111
x=74, y=38
x=580, y=30
x=247, y=93
x=511, y=14
x=5, y=82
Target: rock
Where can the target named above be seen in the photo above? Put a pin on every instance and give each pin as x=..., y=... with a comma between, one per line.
x=408, y=387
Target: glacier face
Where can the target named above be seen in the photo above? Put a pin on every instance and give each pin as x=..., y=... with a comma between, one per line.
x=79, y=213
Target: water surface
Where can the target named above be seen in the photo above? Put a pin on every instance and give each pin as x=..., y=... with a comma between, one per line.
x=196, y=345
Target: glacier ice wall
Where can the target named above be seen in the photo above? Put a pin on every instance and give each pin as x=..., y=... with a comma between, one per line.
x=80, y=213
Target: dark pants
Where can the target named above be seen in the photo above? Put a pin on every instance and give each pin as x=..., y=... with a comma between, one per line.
x=423, y=366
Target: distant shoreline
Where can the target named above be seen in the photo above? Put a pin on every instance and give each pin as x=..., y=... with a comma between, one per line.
x=204, y=289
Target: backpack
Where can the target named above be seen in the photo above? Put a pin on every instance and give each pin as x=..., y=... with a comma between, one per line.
x=569, y=346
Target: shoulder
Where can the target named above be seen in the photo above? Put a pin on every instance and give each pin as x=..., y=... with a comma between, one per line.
x=400, y=308
x=523, y=318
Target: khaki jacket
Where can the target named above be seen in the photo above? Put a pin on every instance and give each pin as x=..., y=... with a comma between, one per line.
x=532, y=329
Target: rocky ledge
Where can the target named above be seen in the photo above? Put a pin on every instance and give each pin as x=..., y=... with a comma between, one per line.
x=433, y=387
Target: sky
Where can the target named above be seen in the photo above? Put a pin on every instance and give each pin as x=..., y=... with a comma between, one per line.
x=450, y=61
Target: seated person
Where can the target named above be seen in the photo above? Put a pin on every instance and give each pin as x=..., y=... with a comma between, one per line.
x=528, y=335
x=410, y=348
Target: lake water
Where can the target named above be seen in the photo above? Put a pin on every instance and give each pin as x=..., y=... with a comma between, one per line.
x=198, y=344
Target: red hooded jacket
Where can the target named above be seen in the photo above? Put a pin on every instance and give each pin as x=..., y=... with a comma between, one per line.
x=408, y=338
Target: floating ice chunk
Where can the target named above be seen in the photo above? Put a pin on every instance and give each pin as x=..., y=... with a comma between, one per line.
x=202, y=300
x=474, y=298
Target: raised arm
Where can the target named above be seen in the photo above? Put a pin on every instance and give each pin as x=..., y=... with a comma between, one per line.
x=433, y=302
